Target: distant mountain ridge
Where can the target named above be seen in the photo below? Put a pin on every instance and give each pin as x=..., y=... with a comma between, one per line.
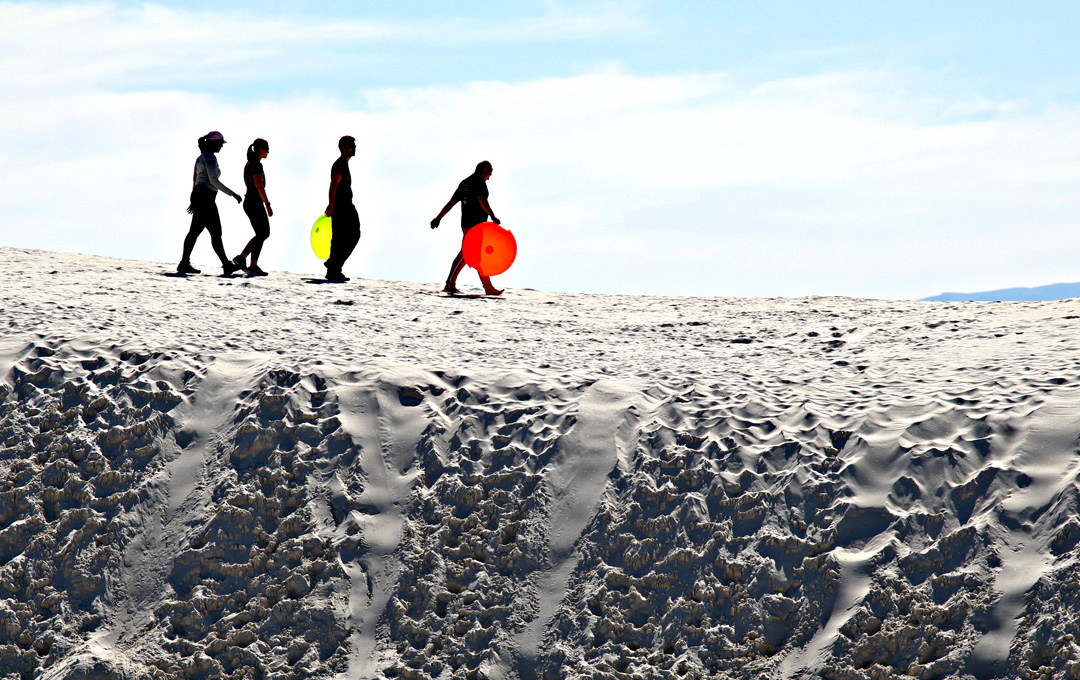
x=1054, y=291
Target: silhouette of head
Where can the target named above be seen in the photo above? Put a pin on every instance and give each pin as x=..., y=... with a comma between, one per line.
x=483, y=168
x=253, y=150
x=347, y=145
x=211, y=142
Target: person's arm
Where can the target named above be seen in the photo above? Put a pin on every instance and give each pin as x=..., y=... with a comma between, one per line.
x=261, y=188
x=213, y=173
x=194, y=176
x=334, y=180
x=487, y=208
x=446, y=208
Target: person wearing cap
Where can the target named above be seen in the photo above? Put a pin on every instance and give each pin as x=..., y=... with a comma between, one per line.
x=206, y=184
x=472, y=193
x=345, y=225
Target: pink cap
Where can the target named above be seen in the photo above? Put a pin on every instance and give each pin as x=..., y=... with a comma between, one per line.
x=215, y=135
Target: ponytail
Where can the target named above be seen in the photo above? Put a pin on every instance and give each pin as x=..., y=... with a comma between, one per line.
x=253, y=150
x=211, y=142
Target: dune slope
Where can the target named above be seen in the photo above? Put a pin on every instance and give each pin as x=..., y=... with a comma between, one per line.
x=266, y=478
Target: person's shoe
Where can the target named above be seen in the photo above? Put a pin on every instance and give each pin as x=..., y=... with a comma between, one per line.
x=230, y=268
x=451, y=288
x=492, y=291
x=254, y=270
x=336, y=276
x=186, y=268
x=239, y=261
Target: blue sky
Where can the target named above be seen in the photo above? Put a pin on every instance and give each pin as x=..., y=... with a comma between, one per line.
x=889, y=150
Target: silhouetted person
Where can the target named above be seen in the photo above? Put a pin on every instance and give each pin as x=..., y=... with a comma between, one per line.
x=257, y=207
x=345, y=225
x=472, y=192
x=203, y=209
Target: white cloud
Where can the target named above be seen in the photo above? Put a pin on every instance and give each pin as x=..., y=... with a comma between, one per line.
x=842, y=183
x=83, y=46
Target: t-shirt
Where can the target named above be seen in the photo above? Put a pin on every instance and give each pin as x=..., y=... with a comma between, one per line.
x=344, y=187
x=250, y=170
x=471, y=189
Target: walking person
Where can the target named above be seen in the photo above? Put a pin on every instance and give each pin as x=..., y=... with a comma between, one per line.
x=206, y=184
x=472, y=193
x=345, y=223
x=257, y=207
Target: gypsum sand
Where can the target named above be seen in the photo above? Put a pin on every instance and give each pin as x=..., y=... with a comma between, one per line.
x=259, y=478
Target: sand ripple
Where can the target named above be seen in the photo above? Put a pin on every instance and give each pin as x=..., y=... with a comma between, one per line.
x=213, y=478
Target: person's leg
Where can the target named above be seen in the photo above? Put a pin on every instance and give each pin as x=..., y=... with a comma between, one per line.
x=198, y=223
x=192, y=237
x=456, y=267
x=258, y=241
x=345, y=236
x=455, y=270
x=261, y=224
x=219, y=249
x=250, y=209
x=352, y=235
x=489, y=288
x=337, y=245
x=213, y=225
x=350, y=244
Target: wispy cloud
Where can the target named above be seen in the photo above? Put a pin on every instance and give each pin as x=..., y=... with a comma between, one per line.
x=853, y=182
x=82, y=46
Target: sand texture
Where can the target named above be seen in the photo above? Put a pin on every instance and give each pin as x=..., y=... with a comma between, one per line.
x=270, y=479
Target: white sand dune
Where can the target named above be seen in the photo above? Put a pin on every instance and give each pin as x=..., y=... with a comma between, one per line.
x=265, y=478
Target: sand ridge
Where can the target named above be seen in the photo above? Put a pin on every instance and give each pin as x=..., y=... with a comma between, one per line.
x=240, y=478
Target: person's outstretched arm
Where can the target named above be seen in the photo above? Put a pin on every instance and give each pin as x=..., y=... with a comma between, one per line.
x=487, y=208
x=442, y=213
x=335, y=179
